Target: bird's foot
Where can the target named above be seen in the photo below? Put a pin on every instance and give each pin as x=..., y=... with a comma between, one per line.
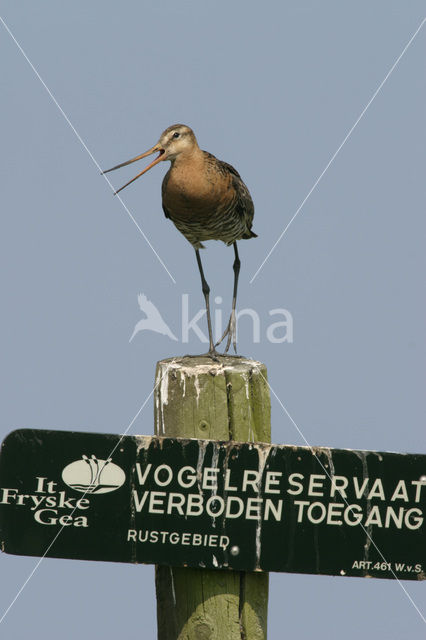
x=231, y=332
x=211, y=353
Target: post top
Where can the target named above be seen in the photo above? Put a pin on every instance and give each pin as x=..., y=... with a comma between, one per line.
x=192, y=365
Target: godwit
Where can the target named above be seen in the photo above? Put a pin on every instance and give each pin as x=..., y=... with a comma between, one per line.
x=206, y=200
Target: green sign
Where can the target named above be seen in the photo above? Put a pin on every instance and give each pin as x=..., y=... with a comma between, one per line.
x=208, y=504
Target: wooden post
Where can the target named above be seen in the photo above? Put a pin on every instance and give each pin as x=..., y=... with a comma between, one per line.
x=227, y=400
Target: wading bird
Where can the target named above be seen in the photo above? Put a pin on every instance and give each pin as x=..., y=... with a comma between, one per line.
x=206, y=200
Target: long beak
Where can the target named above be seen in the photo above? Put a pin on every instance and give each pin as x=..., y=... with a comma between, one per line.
x=158, y=159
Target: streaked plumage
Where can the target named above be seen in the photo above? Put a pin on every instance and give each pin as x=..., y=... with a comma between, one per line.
x=206, y=199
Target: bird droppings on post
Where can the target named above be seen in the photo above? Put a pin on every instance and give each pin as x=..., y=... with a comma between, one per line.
x=197, y=388
x=206, y=199
x=263, y=454
x=246, y=382
x=164, y=388
x=143, y=443
x=199, y=468
x=186, y=379
x=183, y=380
x=329, y=457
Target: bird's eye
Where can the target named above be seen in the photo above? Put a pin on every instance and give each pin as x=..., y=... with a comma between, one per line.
x=176, y=134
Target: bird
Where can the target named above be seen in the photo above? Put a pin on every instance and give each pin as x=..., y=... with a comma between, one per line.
x=206, y=199
x=153, y=320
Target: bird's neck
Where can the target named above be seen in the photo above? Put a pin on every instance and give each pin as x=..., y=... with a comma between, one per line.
x=194, y=155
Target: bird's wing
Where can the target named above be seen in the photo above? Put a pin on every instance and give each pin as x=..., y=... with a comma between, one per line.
x=244, y=205
x=229, y=168
x=166, y=212
x=223, y=166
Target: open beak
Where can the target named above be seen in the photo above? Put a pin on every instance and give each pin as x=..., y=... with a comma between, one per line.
x=158, y=159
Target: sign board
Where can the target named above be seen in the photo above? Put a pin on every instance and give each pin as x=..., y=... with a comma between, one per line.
x=208, y=504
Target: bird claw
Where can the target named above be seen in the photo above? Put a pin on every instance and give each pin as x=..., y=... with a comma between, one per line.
x=213, y=354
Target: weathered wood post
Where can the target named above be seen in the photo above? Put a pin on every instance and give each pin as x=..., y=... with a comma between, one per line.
x=196, y=397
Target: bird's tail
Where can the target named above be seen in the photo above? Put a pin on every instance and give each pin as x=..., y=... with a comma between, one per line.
x=250, y=234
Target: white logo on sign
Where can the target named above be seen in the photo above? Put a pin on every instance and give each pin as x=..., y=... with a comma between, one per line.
x=93, y=475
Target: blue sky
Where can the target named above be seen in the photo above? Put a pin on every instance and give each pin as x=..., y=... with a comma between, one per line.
x=274, y=89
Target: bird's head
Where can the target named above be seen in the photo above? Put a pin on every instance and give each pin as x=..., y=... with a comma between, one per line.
x=174, y=141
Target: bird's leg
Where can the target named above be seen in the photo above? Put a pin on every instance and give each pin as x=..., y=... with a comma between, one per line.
x=231, y=329
x=206, y=291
